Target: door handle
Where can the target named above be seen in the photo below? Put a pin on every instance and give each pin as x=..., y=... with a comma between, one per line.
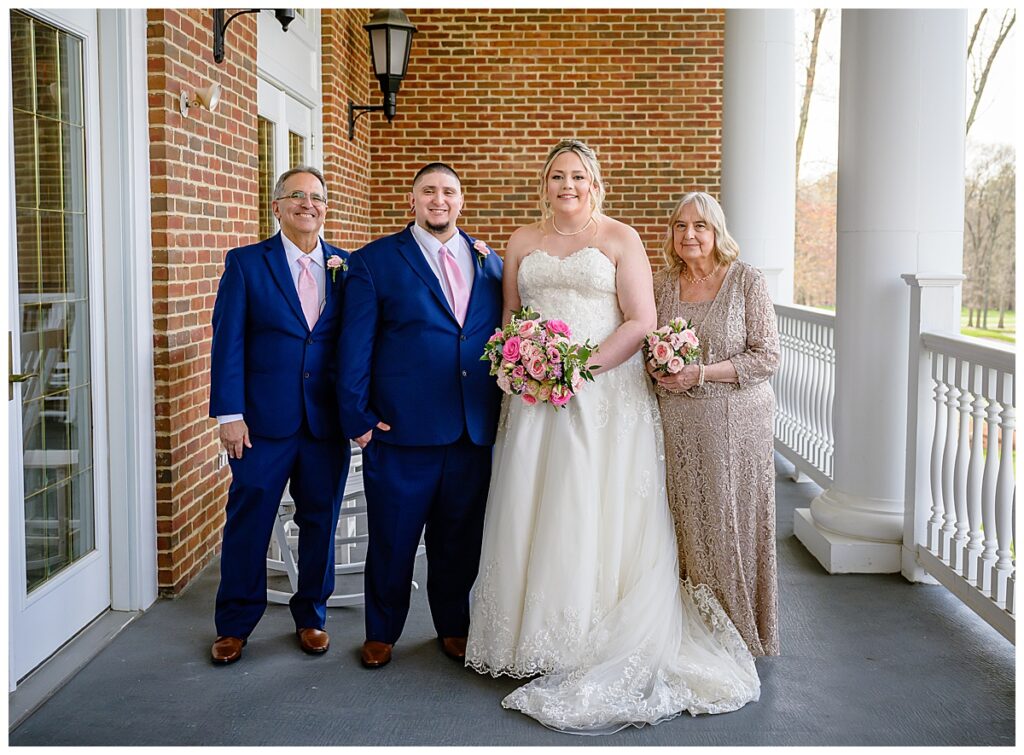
x=14, y=377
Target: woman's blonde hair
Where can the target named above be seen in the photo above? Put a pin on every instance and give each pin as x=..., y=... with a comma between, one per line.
x=589, y=159
x=726, y=249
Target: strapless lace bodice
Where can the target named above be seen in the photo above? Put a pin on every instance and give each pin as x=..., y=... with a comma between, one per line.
x=579, y=289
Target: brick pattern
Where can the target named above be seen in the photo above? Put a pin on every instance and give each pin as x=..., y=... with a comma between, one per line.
x=346, y=76
x=204, y=201
x=491, y=91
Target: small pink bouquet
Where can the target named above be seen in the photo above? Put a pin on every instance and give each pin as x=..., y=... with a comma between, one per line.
x=536, y=359
x=671, y=347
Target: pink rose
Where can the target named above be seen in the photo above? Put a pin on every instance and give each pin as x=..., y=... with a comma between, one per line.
x=652, y=339
x=554, y=355
x=511, y=349
x=481, y=248
x=661, y=352
x=559, y=327
x=536, y=367
x=676, y=340
x=496, y=337
x=528, y=399
x=527, y=327
x=675, y=364
x=544, y=392
x=519, y=371
x=691, y=338
x=528, y=350
x=560, y=395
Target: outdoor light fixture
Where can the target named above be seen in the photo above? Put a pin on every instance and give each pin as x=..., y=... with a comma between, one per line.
x=284, y=16
x=207, y=97
x=390, y=42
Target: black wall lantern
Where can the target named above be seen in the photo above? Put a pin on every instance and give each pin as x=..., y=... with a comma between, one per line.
x=284, y=16
x=390, y=42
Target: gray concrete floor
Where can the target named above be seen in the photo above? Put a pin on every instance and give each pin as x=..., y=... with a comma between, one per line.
x=866, y=660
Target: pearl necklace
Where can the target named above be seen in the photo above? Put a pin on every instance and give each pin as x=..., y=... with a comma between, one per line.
x=574, y=233
x=698, y=281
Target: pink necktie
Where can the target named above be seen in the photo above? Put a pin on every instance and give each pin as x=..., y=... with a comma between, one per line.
x=309, y=297
x=459, y=296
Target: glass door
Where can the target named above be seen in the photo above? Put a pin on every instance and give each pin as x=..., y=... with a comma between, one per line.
x=60, y=577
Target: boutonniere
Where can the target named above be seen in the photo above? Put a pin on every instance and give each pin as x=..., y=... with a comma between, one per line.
x=334, y=264
x=481, y=252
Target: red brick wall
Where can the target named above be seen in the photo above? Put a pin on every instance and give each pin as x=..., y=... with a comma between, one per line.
x=491, y=91
x=204, y=189
x=346, y=75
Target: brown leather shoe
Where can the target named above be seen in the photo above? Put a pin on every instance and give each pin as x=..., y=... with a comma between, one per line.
x=376, y=654
x=454, y=647
x=313, y=641
x=227, y=650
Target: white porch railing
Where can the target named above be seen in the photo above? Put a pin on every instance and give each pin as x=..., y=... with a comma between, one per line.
x=804, y=388
x=961, y=492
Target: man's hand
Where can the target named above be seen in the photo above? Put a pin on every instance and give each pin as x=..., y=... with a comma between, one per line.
x=366, y=437
x=235, y=435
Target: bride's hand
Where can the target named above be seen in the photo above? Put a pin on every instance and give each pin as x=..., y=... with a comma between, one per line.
x=683, y=380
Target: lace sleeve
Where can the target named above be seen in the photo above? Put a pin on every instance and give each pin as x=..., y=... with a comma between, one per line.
x=761, y=357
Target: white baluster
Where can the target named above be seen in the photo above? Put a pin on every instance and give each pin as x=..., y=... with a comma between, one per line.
x=1004, y=504
x=963, y=452
x=987, y=558
x=829, y=404
x=974, y=473
x=938, y=437
x=817, y=421
x=948, y=454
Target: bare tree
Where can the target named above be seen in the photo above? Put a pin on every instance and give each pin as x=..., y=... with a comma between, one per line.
x=989, y=235
x=805, y=107
x=980, y=60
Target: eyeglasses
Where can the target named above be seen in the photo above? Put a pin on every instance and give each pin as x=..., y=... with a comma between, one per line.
x=300, y=196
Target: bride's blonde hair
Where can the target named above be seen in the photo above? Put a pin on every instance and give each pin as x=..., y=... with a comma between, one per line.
x=589, y=159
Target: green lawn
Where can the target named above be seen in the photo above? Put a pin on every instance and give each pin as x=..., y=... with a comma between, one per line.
x=1008, y=334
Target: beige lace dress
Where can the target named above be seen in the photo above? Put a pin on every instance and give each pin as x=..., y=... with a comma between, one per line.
x=718, y=447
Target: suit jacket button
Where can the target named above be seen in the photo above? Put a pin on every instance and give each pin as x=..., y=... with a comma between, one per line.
x=305, y=374
x=462, y=338
x=464, y=373
x=310, y=341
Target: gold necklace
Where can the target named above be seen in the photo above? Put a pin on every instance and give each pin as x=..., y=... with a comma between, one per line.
x=574, y=233
x=698, y=281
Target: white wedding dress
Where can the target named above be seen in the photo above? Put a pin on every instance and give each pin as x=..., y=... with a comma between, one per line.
x=578, y=576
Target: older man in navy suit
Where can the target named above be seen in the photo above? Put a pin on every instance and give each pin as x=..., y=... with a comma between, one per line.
x=419, y=307
x=273, y=392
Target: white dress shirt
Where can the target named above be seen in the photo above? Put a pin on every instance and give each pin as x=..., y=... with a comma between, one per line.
x=316, y=269
x=430, y=245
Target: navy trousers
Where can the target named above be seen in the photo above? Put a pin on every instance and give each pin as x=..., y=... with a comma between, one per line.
x=442, y=488
x=317, y=470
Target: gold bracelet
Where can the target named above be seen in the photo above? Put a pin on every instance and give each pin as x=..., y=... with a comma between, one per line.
x=700, y=377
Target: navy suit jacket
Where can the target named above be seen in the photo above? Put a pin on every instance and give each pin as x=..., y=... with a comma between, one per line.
x=404, y=359
x=265, y=362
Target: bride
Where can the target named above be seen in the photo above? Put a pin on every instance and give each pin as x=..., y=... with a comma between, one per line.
x=578, y=581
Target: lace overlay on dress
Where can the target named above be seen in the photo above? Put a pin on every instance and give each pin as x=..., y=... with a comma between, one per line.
x=579, y=579
x=721, y=472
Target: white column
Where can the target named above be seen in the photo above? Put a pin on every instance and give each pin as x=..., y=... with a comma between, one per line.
x=901, y=209
x=759, y=142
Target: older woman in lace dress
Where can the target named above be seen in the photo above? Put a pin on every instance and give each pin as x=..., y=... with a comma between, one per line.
x=717, y=415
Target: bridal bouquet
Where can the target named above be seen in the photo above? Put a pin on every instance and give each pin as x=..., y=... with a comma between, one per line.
x=669, y=348
x=536, y=359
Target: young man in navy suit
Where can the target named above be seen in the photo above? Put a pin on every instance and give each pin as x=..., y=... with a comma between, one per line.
x=273, y=392
x=419, y=307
